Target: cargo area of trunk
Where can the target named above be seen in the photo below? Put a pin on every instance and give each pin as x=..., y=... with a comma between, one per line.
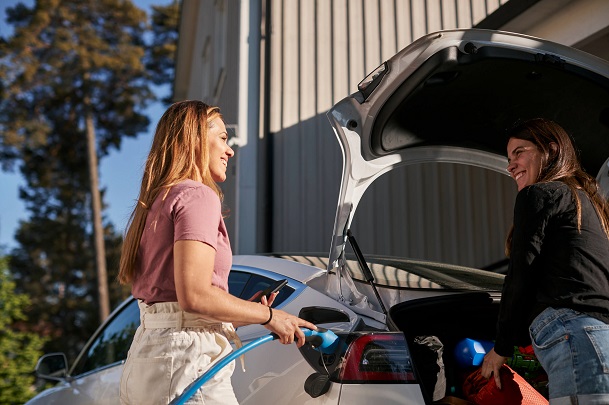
x=449, y=319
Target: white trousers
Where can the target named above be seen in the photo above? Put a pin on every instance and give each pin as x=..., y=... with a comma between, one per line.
x=170, y=350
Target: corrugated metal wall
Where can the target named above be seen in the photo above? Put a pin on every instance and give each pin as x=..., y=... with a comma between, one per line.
x=319, y=51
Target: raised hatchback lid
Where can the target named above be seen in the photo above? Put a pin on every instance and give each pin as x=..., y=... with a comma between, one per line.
x=449, y=97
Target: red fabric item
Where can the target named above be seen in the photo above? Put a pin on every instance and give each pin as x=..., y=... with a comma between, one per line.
x=514, y=389
x=529, y=351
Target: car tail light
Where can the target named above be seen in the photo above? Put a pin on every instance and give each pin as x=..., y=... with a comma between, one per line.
x=363, y=357
x=376, y=358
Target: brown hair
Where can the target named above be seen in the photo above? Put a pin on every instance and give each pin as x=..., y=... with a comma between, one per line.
x=559, y=162
x=179, y=151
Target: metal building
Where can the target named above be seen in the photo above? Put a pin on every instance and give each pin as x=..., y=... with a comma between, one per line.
x=276, y=66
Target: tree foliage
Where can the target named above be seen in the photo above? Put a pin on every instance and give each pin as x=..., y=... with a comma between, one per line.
x=63, y=52
x=67, y=58
x=160, y=60
x=19, y=350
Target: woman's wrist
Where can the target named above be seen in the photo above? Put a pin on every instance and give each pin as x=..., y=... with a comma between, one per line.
x=270, y=317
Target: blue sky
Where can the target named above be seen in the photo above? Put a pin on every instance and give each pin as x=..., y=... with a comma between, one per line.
x=120, y=172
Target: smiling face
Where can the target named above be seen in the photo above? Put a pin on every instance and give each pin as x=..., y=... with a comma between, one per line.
x=524, y=162
x=219, y=151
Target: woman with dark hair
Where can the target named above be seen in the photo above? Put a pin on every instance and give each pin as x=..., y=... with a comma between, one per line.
x=557, y=285
x=177, y=257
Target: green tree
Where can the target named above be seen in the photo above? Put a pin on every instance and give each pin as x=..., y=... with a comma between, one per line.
x=72, y=84
x=160, y=60
x=19, y=350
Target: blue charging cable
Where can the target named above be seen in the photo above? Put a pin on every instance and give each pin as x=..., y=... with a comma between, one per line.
x=323, y=339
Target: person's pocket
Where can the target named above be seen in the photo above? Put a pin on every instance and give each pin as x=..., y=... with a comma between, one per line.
x=599, y=337
x=546, y=331
x=146, y=381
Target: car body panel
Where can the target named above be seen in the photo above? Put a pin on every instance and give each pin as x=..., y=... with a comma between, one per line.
x=260, y=378
x=386, y=394
x=99, y=388
x=278, y=372
x=275, y=266
x=279, y=379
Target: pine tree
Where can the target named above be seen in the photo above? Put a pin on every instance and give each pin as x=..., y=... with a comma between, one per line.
x=160, y=59
x=72, y=85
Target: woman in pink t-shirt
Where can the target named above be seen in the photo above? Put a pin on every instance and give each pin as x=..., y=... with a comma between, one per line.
x=177, y=256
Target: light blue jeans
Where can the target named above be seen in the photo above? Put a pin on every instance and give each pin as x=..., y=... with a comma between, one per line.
x=573, y=348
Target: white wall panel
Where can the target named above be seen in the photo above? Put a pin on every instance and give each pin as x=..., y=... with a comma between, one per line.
x=325, y=49
x=356, y=69
x=404, y=27
x=372, y=41
x=229, y=90
x=418, y=20
x=434, y=13
x=307, y=48
x=339, y=77
x=388, y=29
x=291, y=63
x=307, y=131
x=275, y=86
x=449, y=14
x=479, y=11
x=323, y=58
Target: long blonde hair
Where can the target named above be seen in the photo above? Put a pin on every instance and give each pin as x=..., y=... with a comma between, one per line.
x=179, y=152
x=559, y=162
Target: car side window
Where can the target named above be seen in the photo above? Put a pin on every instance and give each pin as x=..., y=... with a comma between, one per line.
x=112, y=343
x=244, y=285
x=237, y=281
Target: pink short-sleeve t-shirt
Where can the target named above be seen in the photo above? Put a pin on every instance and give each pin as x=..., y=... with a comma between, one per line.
x=190, y=211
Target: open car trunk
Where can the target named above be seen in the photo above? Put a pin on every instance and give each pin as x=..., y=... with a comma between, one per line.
x=449, y=97
x=451, y=319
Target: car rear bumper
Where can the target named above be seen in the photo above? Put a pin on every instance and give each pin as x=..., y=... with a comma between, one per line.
x=386, y=394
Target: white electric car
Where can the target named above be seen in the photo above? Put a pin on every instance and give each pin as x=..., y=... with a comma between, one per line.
x=445, y=98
